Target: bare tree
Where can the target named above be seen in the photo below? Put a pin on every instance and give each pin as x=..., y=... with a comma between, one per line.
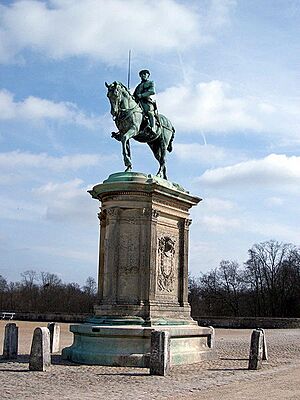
x=90, y=286
x=50, y=280
x=29, y=278
x=3, y=291
x=231, y=284
x=268, y=269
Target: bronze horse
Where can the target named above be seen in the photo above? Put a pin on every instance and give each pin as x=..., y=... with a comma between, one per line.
x=129, y=119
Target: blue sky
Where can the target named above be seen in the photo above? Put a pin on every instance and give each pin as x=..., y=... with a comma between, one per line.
x=227, y=75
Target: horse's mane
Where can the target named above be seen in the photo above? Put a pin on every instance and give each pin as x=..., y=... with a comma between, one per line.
x=124, y=87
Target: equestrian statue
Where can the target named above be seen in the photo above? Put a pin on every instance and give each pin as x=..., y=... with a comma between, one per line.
x=136, y=116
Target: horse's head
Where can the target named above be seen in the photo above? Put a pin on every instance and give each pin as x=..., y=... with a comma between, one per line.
x=113, y=94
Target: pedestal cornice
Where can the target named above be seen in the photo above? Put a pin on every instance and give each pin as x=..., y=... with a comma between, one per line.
x=144, y=185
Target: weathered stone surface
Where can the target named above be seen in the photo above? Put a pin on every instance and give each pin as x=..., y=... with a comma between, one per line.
x=160, y=353
x=10, y=344
x=40, y=357
x=143, y=276
x=265, y=349
x=256, y=350
x=143, y=255
x=54, y=330
x=131, y=345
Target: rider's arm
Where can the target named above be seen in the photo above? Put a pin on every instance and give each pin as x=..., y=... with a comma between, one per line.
x=150, y=90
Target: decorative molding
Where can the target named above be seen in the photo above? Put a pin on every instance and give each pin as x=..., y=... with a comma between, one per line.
x=120, y=195
x=113, y=212
x=184, y=223
x=188, y=222
x=166, y=264
x=171, y=203
x=151, y=212
x=102, y=217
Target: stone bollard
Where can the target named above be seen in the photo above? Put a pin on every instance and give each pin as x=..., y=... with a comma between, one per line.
x=160, y=353
x=265, y=350
x=54, y=330
x=211, y=338
x=256, y=350
x=10, y=344
x=40, y=358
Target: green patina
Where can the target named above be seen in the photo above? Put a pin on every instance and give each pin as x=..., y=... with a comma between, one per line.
x=113, y=320
x=128, y=181
x=136, y=117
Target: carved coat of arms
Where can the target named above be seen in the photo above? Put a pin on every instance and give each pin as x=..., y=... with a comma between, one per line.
x=166, y=256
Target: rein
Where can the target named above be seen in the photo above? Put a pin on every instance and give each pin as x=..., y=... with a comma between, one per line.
x=128, y=109
x=127, y=112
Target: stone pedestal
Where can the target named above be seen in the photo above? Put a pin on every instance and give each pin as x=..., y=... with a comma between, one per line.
x=143, y=275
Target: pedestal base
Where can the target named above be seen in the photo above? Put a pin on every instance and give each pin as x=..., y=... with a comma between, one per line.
x=129, y=346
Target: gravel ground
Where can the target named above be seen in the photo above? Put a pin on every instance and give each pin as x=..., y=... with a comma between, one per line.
x=225, y=378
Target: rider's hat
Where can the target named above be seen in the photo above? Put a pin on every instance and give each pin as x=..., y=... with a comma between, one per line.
x=144, y=71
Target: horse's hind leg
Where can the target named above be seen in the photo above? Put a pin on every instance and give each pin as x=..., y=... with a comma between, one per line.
x=159, y=151
x=162, y=172
x=156, y=151
x=162, y=167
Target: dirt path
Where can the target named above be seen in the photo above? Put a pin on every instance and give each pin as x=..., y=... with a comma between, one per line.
x=283, y=384
x=225, y=378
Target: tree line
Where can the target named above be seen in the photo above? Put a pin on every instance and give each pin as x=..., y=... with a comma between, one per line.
x=45, y=292
x=266, y=285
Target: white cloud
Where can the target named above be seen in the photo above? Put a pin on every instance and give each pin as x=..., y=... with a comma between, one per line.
x=218, y=14
x=20, y=209
x=195, y=152
x=234, y=222
x=35, y=108
x=64, y=252
x=216, y=214
x=19, y=168
x=273, y=230
x=274, y=201
x=97, y=28
x=217, y=204
x=207, y=107
x=21, y=160
x=67, y=202
x=219, y=224
x=215, y=107
x=275, y=169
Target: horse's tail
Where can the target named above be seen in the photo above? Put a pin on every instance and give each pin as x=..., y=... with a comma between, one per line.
x=170, y=147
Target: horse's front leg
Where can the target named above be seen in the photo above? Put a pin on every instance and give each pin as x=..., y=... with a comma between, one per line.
x=126, y=148
x=126, y=154
x=161, y=157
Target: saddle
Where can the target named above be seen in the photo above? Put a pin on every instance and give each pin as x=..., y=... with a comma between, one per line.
x=146, y=134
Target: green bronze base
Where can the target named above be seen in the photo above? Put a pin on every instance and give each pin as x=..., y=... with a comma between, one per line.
x=128, y=345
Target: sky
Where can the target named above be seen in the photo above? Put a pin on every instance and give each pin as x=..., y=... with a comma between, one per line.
x=227, y=74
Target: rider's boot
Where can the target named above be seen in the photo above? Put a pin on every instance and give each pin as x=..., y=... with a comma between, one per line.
x=152, y=123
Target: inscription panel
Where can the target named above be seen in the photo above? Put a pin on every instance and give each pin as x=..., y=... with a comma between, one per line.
x=129, y=257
